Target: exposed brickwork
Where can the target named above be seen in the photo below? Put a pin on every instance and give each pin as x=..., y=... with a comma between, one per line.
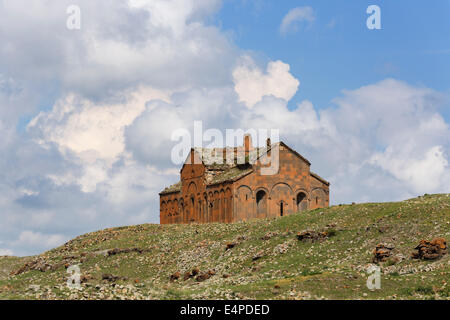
x=245, y=195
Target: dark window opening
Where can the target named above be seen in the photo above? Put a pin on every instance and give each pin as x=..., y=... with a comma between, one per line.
x=302, y=203
x=261, y=202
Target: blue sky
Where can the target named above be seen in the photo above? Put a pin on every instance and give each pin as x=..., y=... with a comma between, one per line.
x=87, y=115
x=337, y=51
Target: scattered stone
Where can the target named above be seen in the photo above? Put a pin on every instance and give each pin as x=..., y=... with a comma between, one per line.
x=231, y=245
x=188, y=275
x=205, y=276
x=34, y=287
x=430, y=250
x=256, y=268
x=112, y=278
x=269, y=235
x=115, y=251
x=281, y=248
x=312, y=236
x=85, y=278
x=195, y=272
x=175, y=276
x=382, y=252
x=39, y=265
x=258, y=256
x=242, y=238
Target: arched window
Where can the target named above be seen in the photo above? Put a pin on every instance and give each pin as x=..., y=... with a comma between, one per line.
x=261, y=203
x=302, y=202
x=192, y=211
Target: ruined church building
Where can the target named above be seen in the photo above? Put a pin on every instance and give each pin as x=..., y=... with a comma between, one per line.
x=210, y=192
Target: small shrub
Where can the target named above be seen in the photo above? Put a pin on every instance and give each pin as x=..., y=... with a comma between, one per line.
x=331, y=232
x=425, y=290
x=407, y=291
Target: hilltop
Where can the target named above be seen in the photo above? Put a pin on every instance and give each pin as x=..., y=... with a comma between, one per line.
x=261, y=259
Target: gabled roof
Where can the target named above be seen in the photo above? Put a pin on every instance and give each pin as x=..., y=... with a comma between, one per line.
x=220, y=171
x=281, y=143
x=232, y=174
x=172, y=189
x=217, y=169
x=319, y=178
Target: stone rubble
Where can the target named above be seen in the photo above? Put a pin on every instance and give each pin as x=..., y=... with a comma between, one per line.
x=430, y=250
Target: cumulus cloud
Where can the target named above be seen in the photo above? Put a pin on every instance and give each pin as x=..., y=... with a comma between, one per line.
x=149, y=138
x=29, y=238
x=121, y=44
x=387, y=138
x=89, y=134
x=251, y=83
x=6, y=252
x=292, y=20
x=73, y=172
x=422, y=172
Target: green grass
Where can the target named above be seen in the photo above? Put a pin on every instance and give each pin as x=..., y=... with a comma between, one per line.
x=287, y=269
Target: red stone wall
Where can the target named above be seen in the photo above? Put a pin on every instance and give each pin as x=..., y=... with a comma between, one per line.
x=169, y=209
x=263, y=196
x=197, y=203
x=292, y=189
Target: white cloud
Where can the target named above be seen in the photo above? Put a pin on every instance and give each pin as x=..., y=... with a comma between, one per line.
x=294, y=17
x=251, y=84
x=89, y=134
x=6, y=252
x=424, y=173
x=149, y=137
x=96, y=81
x=48, y=241
x=381, y=142
x=159, y=43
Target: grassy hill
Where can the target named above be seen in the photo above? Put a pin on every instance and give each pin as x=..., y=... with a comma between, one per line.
x=258, y=259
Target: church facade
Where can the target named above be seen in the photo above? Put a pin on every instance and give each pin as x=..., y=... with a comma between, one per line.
x=225, y=191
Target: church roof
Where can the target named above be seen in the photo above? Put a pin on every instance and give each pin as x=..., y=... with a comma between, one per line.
x=215, y=175
x=172, y=189
x=231, y=174
x=219, y=170
x=315, y=175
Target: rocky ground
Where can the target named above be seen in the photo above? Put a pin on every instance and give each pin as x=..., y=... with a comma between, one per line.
x=319, y=254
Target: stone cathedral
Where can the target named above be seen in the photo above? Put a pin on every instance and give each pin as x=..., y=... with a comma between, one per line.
x=229, y=191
